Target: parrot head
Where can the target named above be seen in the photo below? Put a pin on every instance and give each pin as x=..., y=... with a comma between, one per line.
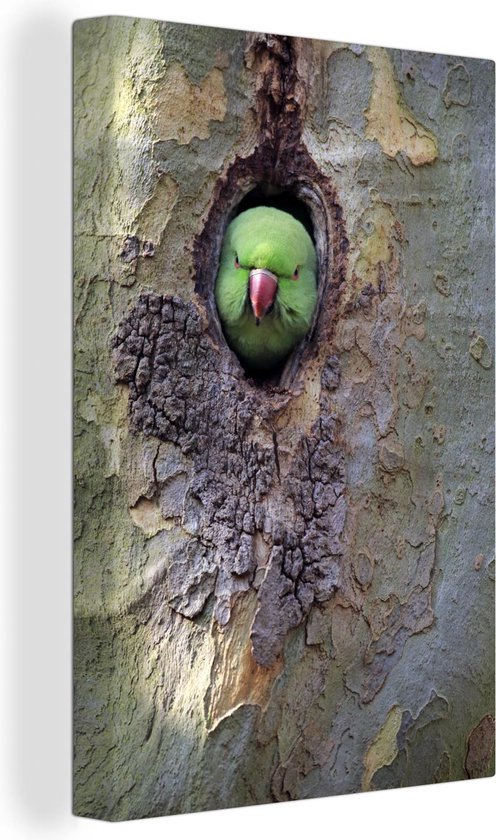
x=266, y=288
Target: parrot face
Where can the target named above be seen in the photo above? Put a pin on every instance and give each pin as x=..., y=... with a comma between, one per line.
x=266, y=288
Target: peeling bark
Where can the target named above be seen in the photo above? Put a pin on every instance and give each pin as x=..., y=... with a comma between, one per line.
x=289, y=579
x=248, y=521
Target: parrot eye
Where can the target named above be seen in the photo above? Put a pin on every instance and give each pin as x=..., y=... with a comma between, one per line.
x=296, y=273
x=236, y=262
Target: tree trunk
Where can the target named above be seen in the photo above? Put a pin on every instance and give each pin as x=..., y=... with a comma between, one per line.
x=283, y=588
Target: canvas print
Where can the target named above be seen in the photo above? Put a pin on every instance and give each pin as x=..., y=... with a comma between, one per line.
x=283, y=418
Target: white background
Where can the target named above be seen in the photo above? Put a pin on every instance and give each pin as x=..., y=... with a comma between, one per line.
x=35, y=243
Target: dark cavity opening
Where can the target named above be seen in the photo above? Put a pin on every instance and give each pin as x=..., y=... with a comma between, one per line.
x=267, y=195
x=301, y=189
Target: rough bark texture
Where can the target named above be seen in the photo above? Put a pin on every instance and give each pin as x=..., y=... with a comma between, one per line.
x=283, y=589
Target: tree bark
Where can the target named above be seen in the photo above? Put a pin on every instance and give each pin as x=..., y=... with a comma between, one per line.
x=283, y=588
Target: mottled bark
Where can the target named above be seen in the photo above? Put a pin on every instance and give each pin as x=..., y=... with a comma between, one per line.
x=283, y=588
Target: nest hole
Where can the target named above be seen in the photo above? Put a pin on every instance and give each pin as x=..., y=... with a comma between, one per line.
x=311, y=199
x=266, y=195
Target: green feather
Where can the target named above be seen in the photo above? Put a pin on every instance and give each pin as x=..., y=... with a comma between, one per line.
x=266, y=238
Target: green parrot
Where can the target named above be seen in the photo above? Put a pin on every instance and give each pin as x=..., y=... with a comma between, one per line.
x=266, y=288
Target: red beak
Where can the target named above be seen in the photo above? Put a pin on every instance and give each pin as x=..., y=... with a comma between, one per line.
x=262, y=290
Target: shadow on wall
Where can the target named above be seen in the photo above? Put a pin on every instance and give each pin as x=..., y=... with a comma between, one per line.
x=38, y=434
